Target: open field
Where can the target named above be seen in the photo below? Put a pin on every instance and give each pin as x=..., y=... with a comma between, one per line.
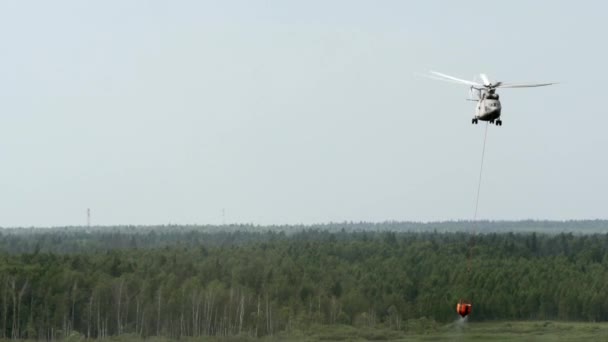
x=487, y=331
x=457, y=331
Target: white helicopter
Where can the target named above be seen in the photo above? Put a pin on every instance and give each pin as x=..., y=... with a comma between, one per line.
x=488, y=103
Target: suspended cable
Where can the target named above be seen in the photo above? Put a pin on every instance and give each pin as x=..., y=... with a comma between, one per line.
x=483, y=153
x=463, y=308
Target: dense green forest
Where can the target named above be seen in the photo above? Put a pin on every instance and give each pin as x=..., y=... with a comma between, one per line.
x=98, y=239
x=189, y=282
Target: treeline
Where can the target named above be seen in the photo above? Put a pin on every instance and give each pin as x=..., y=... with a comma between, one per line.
x=291, y=282
x=98, y=239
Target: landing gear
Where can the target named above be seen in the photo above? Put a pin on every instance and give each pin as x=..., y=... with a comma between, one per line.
x=474, y=121
x=498, y=123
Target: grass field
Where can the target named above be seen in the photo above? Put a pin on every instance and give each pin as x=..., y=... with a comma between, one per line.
x=459, y=331
x=417, y=330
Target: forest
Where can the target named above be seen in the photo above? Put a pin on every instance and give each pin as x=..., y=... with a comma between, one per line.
x=101, y=238
x=188, y=281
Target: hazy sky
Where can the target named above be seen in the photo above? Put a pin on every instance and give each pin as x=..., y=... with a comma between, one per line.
x=153, y=112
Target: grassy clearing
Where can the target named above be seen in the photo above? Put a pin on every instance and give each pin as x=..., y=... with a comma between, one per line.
x=458, y=331
x=517, y=331
x=540, y=331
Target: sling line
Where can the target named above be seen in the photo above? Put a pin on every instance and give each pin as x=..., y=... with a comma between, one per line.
x=483, y=152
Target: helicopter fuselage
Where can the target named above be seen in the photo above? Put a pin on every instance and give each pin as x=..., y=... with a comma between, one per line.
x=488, y=108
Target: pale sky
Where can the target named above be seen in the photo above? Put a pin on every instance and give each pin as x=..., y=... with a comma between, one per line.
x=156, y=112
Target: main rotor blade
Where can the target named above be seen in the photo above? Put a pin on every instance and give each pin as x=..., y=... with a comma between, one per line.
x=485, y=79
x=444, y=77
x=433, y=77
x=523, y=85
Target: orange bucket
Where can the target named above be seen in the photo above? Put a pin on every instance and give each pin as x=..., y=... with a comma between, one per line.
x=463, y=308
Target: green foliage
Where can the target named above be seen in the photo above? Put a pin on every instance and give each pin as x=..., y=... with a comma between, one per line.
x=368, y=285
x=101, y=239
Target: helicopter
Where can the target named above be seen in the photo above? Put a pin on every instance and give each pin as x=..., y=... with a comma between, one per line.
x=488, y=101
